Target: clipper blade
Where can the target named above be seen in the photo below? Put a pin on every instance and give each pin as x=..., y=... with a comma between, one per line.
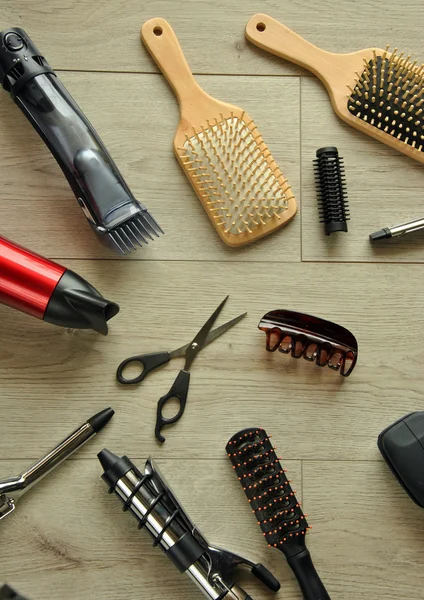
x=137, y=231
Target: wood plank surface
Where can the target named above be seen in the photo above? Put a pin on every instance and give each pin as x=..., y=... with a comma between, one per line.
x=68, y=538
x=105, y=36
x=235, y=383
x=384, y=188
x=367, y=534
x=137, y=116
x=77, y=538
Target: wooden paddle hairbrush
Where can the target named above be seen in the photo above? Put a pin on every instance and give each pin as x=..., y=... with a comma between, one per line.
x=275, y=505
x=220, y=150
x=381, y=93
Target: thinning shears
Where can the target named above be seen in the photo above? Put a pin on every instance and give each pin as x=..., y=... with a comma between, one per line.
x=179, y=389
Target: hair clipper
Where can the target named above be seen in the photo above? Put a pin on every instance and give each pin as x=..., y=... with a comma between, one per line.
x=119, y=220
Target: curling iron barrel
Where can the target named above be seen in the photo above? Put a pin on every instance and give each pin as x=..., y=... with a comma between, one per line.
x=154, y=505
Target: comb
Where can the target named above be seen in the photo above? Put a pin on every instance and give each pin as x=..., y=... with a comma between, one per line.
x=275, y=505
x=315, y=339
x=221, y=151
x=381, y=93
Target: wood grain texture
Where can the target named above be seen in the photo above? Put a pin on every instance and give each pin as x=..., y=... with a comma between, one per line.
x=69, y=539
x=338, y=72
x=50, y=374
x=367, y=534
x=78, y=541
x=137, y=116
x=384, y=188
x=105, y=37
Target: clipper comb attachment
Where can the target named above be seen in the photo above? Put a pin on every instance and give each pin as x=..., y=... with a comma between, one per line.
x=275, y=505
x=317, y=340
x=119, y=220
x=389, y=94
x=331, y=190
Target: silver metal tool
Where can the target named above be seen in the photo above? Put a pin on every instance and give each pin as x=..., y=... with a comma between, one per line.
x=13, y=488
x=397, y=230
x=150, y=499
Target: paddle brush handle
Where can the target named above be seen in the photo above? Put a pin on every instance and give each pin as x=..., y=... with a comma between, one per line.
x=307, y=576
x=271, y=35
x=162, y=43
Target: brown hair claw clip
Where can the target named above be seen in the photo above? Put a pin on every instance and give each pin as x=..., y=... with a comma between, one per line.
x=315, y=339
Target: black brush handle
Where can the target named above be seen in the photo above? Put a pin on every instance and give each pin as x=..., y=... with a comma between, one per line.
x=307, y=576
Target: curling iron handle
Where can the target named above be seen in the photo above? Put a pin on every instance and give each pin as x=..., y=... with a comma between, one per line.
x=57, y=455
x=307, y=576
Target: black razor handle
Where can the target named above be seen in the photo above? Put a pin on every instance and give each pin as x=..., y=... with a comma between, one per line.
x=307, y=576
x=94, y=178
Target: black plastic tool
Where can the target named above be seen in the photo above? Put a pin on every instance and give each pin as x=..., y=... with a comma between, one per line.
x=402, y=447
x=151, y=501
x=275, y=505
x=331, y=190
x=7, y=593
x=149, y=362
x=119, y=220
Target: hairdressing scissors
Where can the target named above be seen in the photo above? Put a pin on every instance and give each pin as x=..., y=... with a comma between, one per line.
x=179, y=389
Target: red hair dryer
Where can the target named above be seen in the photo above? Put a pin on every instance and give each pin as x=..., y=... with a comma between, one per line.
x=41, y=288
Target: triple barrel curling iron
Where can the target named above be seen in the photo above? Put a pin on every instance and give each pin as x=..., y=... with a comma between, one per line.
x=120, y=221
x=150, y=499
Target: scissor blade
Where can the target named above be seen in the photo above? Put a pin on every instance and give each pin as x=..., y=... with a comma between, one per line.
x=214, y=334
x=199, y=340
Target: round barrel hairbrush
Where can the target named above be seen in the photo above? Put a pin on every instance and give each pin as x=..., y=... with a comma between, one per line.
x=330, y=182
x=275, y=505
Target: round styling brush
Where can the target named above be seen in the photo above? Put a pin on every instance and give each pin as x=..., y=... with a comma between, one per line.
x=331, y=190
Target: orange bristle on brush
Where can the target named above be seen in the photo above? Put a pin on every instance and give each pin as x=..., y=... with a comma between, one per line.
x=381, y=93
x=221, y=151
x=275, y=505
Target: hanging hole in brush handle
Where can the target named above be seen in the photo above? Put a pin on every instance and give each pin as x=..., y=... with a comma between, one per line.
x=144, y=364
x=162, y=43
x=307, y=576
x=178, y=391
x=274, y=37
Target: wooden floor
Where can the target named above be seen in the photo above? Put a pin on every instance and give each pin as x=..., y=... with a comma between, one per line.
x=68, y=538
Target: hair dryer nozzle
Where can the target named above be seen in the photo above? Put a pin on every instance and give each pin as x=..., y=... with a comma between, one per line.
x=77, y=304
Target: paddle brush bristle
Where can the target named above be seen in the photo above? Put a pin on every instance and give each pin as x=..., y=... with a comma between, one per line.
x=268, y=490
x=235, y=176
x=389, y=95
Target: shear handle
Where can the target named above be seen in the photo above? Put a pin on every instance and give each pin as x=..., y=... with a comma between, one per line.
x=179, y=390
x=147, y=363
